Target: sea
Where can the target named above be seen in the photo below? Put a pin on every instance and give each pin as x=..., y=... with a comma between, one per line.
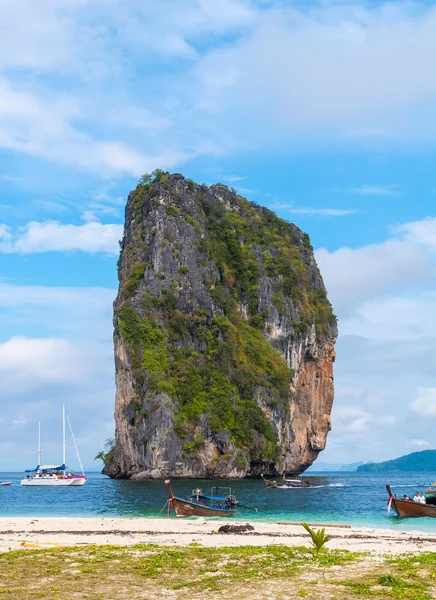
x=334, y=498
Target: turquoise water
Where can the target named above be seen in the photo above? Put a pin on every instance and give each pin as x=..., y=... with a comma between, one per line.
x=335, y=498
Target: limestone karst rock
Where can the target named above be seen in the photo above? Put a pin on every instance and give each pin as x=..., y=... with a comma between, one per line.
x=224, y=338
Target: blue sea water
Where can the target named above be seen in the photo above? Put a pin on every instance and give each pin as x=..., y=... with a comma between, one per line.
x=346, y=498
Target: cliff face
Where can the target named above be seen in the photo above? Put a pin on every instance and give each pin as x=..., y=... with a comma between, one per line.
x=224, y=338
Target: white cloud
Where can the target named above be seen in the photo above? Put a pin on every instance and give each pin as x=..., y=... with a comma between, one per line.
x=355, y=274
x=52, y=236
x=349, y=390
x=322, y=212
x=370, y=190
x=80, y=34
x=421, y=443
x=388, y=420
x=103, y=205
x=352, y=427
x=419, y=232
x=376, y=190
x=425, y=402
x=384, y=295
x=68, y=357
x=350, y=420
x=232, y=178
x=266, y=72
x=349, y=411
x=19, y=423
x=394, y=317
x=69, y=313
x=313, y=212
x=28, y=363
x=342, y=70
x=101, y=51
x=246, y=191
x=44, y=127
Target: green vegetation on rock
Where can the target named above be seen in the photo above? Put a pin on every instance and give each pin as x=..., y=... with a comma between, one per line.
x=218, y=382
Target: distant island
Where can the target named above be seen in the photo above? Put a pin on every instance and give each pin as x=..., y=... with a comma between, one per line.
x=416, y=461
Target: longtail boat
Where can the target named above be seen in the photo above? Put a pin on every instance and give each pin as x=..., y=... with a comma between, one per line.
x=220, y=503
x=410, y=508
x=287, y=483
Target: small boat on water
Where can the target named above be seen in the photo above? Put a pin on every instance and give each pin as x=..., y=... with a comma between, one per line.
x=285, y=483
x=5, y=482
x=55, y=475
x=406, y=507
x=220, y=503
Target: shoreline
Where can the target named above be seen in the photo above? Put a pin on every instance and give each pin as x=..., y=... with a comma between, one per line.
x=51, y=532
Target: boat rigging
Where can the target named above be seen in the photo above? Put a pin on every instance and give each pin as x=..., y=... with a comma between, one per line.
x=55, y=475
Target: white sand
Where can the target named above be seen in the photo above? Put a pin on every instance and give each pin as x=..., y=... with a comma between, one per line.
x=25, y=532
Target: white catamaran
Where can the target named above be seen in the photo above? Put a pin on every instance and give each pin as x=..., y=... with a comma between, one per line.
x=55, y=475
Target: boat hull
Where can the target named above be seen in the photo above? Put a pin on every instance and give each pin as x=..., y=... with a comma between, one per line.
x=409, y=508
x=5, y=482
x=184, y=508
x=285, y=485
x=79, y=480
x=41, y=482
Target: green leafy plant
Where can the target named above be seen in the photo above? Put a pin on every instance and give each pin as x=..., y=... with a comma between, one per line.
x=106, y=455
x=319, y=538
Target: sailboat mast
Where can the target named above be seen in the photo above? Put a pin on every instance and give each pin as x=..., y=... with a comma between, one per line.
x=75, y=444
x=39, y=444
x=63, y=436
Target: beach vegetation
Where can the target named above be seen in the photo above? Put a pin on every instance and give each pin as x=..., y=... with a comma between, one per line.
x=184, y=571
x=318, y=538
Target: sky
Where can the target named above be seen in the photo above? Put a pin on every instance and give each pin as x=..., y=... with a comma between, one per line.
x=323, y=111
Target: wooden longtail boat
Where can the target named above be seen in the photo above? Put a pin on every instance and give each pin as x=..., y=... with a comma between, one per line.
x=409, y=508
x=286, y=484
x=201, y=505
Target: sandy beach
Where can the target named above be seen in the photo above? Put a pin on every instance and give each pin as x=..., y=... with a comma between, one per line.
x=118, y=558
x=24, y=532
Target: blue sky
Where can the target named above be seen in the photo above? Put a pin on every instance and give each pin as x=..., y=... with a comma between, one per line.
x=323, y=111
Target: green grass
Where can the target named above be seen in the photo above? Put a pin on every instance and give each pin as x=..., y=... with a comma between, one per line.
x=113, y=572
x=151, y=571
x=406, y=577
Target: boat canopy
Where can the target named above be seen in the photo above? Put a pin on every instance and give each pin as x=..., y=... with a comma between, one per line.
x=52, y=467
x=213, y=497
x=47, y=468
